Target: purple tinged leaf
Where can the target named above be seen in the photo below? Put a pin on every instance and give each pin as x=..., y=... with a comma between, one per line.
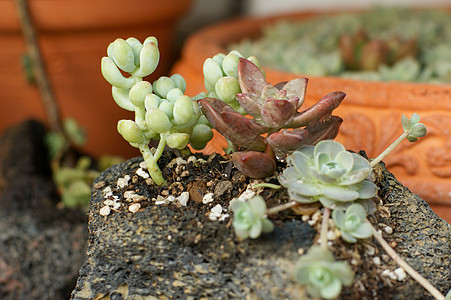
x=277, y=113
x=240, y=130
x=296, y=88
x=250, y=77
x=319, y=111
x=254, y=164
x=287, y=141
x=249, y=104
x=325, y=130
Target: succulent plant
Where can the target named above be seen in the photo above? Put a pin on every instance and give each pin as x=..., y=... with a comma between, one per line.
x=162, y=111
x=352, y=223
x=321, y=274
x=329, y=174
x=274, y=127
x=413, y=127
x=249, y=218
x=360, y=52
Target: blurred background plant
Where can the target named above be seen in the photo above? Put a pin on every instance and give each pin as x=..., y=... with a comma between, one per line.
x=385, y=43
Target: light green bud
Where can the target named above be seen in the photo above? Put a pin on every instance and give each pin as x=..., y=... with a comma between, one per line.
x=174, y=94
x=167, y=107
x=178, y=140
x=179, y=82
x=152, y=101
x=122, y=54
x=203, y=120
x=136, y=46
x=200, y=136
x=121, y=98
x=212, y=72
x=230, y=64
x=163, y=85
x=151, y=39
x=130, y=131
x=112, y=74
x=157, y=120
x=226, y=88
x=219, y=58
x=148, y=59
x=183, y=110
x=138, y=93
x=255, y=61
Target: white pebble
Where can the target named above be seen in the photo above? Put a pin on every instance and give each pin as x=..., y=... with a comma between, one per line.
x=192, y=159
x=305, y=218
x=247, y=194
x=215, y=213
x=117, y=205
x=170, y=198
x=105, y=211
x=129, y=194
x=207, y=198
x=183, y=198
x=376, y=260
x=107, y=192
x=370, y=250
x=123, y=182
x=134, y=207
x=109, y=202
x=400, y=274
x=143, y=165
x=142, y=173
x=388, y=229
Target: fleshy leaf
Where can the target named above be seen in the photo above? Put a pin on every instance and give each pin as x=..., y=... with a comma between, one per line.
x=276, y=113
x=250, y=77
x=254, y=164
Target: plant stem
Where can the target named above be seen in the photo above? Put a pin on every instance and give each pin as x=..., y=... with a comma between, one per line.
x=279, y=208
x=389, y=149
x=160, y=148
x=39, y=71
x=324, y=227
x=152, y=165
x=268, y=185
x=415, y=275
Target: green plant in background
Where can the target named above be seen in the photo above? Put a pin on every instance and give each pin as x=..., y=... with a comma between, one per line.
x=162, y=111
x=73, y=174
x=415, y=45
x=321, y=274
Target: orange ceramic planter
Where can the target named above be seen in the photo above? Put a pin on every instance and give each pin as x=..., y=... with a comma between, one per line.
x=371, y=112
x=73, y=36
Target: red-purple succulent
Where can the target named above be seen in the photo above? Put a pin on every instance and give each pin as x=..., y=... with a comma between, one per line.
x=275, y=127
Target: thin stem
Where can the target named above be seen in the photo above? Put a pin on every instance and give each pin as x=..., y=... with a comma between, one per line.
x=415, y=275
x=38, y=66
x=389, y=149
x=268, y=185
x=160, y=148
x=152, y=165
x=279, y=208
x=324, y=227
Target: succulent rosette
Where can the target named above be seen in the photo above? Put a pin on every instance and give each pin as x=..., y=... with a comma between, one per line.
x=250, y=218
x=352, y=223
x=329, y=174
x=321, y=274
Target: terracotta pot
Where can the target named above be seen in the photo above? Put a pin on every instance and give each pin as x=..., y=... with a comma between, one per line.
x=371, y=111
x=73, y=36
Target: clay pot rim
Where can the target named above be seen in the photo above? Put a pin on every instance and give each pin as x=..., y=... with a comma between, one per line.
x=214, y=39
x=95, y=14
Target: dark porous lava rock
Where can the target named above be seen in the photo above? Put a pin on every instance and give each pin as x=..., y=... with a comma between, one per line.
x=166, y=250
x=41, y=246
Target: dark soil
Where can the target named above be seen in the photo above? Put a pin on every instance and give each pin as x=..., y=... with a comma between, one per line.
x=173, y=251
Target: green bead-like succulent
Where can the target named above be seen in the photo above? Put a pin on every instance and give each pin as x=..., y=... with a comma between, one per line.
x=352, y=223
x=250, y=218
x=162, y=111
x=321, y=274
x=413, y=127
x=329, y=174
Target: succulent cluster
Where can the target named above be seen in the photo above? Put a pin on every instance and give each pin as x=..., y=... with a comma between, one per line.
x=162, y=111
x=321, y=274
x=274, y=126
x=352, y=223
x=360, y=52
x=329, y=174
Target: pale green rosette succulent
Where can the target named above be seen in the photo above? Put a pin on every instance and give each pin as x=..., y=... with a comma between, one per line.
x=329, y=174
x=321, y=274
x=250, y=218
x=413, y=127
x=352, y=223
